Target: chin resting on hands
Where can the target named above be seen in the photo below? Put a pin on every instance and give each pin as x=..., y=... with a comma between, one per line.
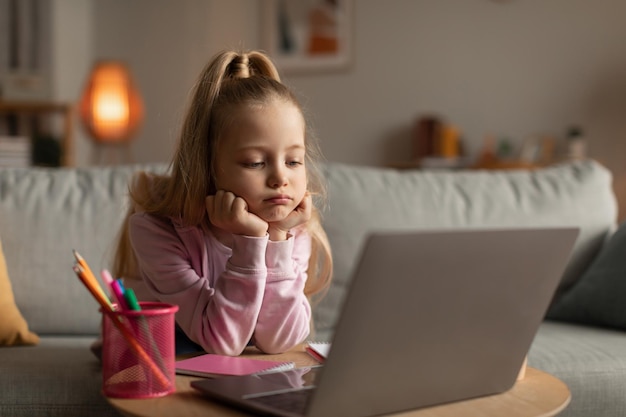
x=300, y=215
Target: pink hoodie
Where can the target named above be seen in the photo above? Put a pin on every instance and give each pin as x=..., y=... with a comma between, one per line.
x=226, y=297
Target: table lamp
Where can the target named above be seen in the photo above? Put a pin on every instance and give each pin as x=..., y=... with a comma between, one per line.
x=111, y=109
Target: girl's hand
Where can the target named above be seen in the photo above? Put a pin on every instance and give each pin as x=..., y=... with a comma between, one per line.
x=300, y=215
x=230, y=213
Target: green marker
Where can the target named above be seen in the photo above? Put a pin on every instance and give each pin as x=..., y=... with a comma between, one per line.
x=131, y=299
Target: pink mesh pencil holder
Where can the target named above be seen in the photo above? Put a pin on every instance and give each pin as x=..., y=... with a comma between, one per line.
x=138, y=352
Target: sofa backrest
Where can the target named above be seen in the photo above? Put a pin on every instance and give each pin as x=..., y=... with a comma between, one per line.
x=45, y=213
x=362, y=199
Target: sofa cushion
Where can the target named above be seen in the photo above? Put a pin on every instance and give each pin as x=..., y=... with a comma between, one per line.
x=599, y=296
x=590, y=360
x=13, y=328
x=362, y=199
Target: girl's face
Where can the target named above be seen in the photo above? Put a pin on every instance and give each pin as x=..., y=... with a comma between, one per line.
x=260, y=158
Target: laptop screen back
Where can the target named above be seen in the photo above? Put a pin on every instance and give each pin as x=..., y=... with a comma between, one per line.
x=434, y=317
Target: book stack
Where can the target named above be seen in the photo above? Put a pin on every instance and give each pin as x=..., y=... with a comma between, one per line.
x=15, y=151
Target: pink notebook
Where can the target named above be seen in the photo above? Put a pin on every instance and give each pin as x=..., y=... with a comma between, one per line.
x=211, y=365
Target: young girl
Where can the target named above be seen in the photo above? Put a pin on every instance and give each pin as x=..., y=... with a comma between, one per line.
x=231, y=234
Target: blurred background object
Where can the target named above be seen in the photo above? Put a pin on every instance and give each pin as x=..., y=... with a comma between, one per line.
x=111, y=110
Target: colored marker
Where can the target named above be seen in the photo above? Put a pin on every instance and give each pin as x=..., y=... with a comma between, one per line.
x=121, y=283
x=131, y=299
x=108, y=280
x=118, y=292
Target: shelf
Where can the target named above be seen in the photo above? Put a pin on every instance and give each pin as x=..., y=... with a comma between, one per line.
x=48, y=108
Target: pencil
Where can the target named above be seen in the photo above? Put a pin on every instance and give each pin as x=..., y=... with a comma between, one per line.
x=93, y=288
x=132, y=341
x=89, y=273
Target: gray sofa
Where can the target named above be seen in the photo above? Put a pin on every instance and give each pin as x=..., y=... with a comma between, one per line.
x=45, y=213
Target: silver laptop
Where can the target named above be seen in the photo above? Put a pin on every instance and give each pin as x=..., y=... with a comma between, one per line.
x=430, y=317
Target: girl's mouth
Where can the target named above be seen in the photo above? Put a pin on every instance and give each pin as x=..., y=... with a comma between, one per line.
x=281, y=199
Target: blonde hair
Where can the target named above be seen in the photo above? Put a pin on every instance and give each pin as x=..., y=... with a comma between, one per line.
x=229, y=80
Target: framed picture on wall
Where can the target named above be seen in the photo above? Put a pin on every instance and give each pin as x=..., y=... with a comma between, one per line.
x=308, y=35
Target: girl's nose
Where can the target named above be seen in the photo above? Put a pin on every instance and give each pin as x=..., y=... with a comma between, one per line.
x=278, y=177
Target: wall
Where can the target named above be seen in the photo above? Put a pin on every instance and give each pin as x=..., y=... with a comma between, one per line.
x=514, y=69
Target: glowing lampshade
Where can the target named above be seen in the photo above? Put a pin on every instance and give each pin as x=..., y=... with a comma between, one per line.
x=111, y=108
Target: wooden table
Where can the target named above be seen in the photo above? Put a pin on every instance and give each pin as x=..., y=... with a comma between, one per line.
x=539, y=394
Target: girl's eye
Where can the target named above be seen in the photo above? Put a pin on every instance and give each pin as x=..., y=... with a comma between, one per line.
x=294, y=163
x=253, y=164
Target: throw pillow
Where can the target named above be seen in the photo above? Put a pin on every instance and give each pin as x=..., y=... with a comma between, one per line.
x=599, y=297
x=13, y=327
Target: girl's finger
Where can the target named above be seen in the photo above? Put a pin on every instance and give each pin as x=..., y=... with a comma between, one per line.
x=239, y=205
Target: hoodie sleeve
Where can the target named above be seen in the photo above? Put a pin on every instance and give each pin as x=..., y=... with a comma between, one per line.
x=285, y=315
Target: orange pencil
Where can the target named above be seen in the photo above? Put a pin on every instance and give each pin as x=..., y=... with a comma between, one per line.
x=89, y=274
x=132, y=341
x=93, y=288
